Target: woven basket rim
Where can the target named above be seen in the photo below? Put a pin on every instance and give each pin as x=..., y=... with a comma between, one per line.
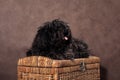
x=40, y=61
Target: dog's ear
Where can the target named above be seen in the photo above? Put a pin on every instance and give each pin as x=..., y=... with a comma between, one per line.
x=40, y=40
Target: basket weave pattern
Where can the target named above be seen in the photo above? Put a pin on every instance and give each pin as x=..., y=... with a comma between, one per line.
x=42, y=68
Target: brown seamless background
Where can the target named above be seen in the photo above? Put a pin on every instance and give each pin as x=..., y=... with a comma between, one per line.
x=95, y=21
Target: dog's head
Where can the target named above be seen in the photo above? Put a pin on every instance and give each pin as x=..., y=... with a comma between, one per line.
x=54, y=35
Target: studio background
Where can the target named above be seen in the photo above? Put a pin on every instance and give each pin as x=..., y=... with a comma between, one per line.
x=97, y=22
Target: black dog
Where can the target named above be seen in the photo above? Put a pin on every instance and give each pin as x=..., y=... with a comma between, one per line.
x=54, y=40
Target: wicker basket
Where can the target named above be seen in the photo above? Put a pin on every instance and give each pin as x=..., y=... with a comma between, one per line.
x=42, y=68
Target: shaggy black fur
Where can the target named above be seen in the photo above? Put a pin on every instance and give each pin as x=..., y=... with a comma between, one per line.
x=54, y=40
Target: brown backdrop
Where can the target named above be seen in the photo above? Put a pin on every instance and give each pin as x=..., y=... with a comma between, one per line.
x=95, y=21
